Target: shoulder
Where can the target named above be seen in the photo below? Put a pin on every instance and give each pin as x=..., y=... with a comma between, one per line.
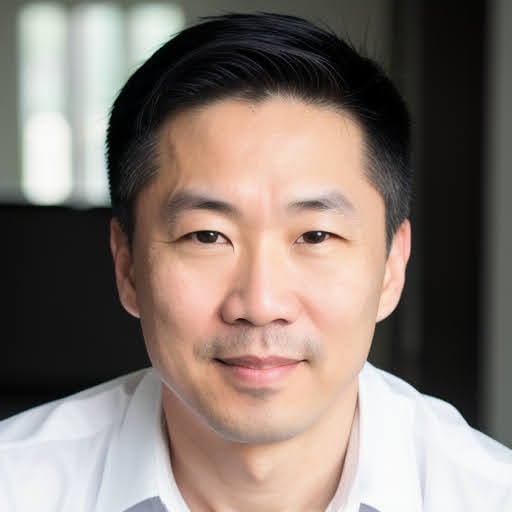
x=454, y=461
x=55, y=451
x=76, y=416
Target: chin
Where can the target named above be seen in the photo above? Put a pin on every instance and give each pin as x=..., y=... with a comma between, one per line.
x=255, y=435
x=256, y=429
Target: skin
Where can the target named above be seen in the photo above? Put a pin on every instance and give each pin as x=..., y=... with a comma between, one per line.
x=283, y=255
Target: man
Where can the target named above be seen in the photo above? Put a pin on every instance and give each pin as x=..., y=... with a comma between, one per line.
x=260, y=186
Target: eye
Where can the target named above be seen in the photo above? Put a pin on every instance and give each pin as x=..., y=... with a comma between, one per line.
x=207, y=237
x=313, y=237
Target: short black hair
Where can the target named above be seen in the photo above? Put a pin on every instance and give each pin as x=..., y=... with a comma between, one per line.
x=256, y=56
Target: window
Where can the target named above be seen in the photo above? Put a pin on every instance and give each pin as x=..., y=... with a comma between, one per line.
x=72, y=62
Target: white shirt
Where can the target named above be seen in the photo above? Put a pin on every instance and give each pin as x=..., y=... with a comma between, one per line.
x=103, y=450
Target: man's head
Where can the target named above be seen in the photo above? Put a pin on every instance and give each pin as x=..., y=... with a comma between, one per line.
x=259, y=167
x=256, y=56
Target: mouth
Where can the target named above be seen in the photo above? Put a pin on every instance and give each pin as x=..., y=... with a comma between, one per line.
x=254, y=371
x=258, y=363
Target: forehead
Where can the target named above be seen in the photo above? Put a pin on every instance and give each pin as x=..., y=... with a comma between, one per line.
x=280, y=138
x=262, y=165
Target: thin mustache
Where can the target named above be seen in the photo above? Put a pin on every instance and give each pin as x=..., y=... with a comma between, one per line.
x=269, y=342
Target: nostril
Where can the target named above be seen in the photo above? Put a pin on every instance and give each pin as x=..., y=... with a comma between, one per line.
x=243, y=322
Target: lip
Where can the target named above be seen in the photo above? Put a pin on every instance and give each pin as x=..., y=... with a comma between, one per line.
x=257, y=372
x=258, y=363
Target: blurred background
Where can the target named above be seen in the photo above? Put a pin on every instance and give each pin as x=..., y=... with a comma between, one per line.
x=61, y=65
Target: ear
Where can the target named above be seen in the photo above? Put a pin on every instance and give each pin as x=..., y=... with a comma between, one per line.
x=123, y=266
x=394, y=275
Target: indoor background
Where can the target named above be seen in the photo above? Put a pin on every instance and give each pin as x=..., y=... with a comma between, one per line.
x=61, y=64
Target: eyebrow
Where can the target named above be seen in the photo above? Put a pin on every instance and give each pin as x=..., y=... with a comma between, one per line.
x=332, y=201
x=186, y=200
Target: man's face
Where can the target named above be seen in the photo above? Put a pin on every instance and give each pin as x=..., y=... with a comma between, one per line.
x=259, y=265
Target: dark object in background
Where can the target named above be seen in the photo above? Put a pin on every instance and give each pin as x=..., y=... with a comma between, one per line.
x=63, y=328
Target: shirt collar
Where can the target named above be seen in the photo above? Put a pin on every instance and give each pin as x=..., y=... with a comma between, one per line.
x=387, y=479
x=137, y=466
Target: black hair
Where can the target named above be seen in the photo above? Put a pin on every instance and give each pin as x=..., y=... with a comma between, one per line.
x=254, y=57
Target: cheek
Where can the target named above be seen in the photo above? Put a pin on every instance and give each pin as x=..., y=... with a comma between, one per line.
x=343, y=300
x=173, y=314
x=177, y=305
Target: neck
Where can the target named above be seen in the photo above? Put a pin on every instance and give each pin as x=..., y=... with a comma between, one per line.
x=301, y=473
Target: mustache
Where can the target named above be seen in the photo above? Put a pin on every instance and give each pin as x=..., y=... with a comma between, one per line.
x=269, y=341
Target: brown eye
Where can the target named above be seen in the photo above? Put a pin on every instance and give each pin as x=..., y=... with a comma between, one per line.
x=208, y=237
x=313, y=237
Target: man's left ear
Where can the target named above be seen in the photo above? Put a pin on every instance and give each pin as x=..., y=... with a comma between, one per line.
x=394, y=275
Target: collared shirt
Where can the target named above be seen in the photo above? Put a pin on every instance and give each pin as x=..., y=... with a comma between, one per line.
x=103, y=450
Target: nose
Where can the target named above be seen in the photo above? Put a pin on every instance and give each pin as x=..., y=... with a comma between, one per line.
x=263, y=291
